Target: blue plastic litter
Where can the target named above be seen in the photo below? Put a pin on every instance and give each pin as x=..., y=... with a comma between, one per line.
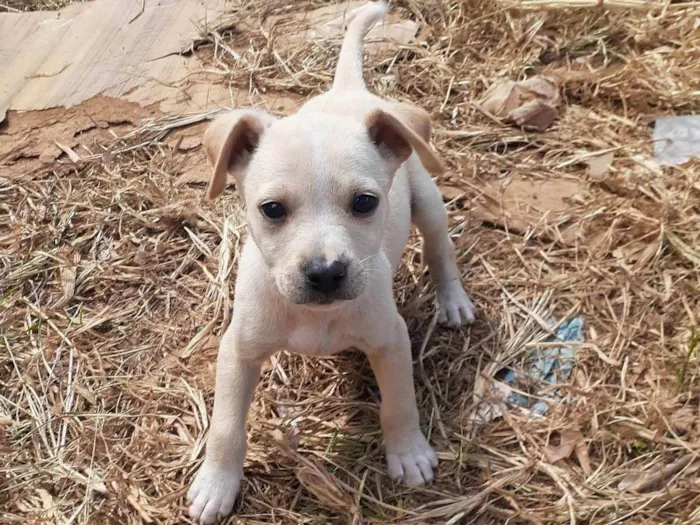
x=544, y=367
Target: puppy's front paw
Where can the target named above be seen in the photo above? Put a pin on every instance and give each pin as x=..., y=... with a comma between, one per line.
x=454, y=306
x=411, y=459
x=213, y=493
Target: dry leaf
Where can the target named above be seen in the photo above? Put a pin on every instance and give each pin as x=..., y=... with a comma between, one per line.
x=685, y=419
x=535, y=114
x=622, y=184
x=85, y=394
x=46, y=502
x=201, y=343
x=312, y=474
x=522, y=205
x=450, y=192
x=581, y=451
x=599, y=165
x=67, y=273
x=210, y=344
x=500, y=99
x=188, y=143
x=323, y=485
x=628, y=481
x=288, y=440
x=569, y=439
x=690, y=253
x=530, y=103
x=659, y=477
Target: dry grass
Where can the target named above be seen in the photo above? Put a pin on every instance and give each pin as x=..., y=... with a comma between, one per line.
x=115, y=288
x=18, y=6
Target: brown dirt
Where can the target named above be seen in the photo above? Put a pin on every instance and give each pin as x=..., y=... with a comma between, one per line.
x=28, y=139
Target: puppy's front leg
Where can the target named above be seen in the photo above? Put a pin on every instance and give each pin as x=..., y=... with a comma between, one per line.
x=408, y=454
x=429, y=214
x=216, y=485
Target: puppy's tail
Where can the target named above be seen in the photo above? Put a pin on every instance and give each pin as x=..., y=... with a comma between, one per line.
x=348, y=75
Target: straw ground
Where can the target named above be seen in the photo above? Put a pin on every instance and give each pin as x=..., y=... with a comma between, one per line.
x=116, y=284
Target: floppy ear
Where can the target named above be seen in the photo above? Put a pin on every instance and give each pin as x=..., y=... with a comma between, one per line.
x=396, y=140
x=414, y=118
x=230, y=142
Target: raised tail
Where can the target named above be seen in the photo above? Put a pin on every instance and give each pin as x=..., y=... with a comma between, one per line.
x=348, y=74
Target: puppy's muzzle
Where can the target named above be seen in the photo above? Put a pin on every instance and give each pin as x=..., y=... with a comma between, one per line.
x=318, y=281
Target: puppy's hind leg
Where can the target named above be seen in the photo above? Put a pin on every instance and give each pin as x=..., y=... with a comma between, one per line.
x=429, y=215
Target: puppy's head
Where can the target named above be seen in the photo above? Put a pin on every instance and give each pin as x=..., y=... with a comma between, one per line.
x=316, y=190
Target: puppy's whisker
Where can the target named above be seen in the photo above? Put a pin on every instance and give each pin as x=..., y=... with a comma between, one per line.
x=368, y=258
x=379, y=271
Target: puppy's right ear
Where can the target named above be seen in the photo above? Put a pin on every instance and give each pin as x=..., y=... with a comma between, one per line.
x=230, y=142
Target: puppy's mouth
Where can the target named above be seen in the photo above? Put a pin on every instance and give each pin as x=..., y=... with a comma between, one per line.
x=324, y=301
x=324, y=304
x=313, y=300
x=320, y=301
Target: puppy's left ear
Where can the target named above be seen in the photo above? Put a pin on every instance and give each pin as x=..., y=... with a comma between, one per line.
x=230, y=142
x=396, y=140
x=414, y=118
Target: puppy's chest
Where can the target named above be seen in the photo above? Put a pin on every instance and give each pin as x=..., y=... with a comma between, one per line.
x=319, y=338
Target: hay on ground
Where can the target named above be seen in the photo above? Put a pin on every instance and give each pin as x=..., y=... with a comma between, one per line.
x=116, y=283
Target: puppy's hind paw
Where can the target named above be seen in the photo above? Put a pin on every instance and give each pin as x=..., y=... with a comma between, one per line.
x=213, y=493
x=454, y=306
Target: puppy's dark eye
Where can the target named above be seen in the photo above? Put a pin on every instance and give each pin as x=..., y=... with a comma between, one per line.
x=273, y=210
x=364, y=204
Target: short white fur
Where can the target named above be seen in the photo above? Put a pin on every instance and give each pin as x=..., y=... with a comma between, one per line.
x=340, y=143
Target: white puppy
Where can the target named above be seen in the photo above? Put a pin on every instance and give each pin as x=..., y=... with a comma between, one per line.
x=330, y=194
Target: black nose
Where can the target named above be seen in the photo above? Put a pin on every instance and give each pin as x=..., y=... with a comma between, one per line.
x=326, y=278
